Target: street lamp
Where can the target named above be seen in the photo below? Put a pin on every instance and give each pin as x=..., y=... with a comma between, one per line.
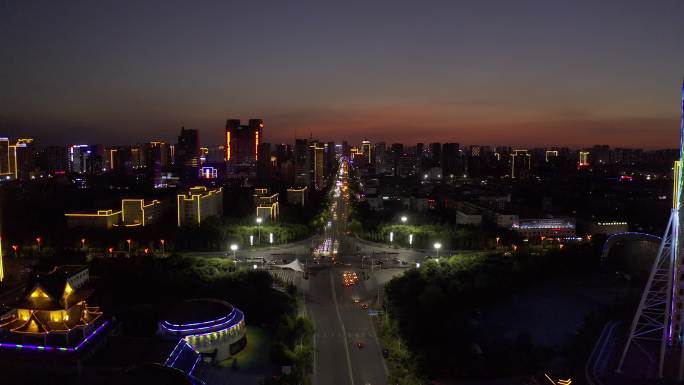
x=258, y=221
x=410, y=239
x=404, y=219
x=254, y=266
x=162, y=246
x=270, y=238
x=83, y=243
x=234, y=248
x=417, y=265
x=15, y=248
x=38, y=239
x=391, y=236
x=129, y=247
x=437, y=246
x=251, y=240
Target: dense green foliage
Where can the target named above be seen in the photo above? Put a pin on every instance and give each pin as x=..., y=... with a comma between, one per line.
x=124, y=285
x=433, y=308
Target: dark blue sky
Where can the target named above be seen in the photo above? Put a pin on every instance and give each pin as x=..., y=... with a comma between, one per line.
x=482, y=72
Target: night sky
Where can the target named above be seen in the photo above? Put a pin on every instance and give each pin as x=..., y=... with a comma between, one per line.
x=482, y=72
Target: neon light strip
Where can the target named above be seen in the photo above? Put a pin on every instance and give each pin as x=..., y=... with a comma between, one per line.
x=193, y=365
x=215, y=331
x=191, y=330
x=173, y=351
x=179, y=353
x=54, y=348
x=200, y=323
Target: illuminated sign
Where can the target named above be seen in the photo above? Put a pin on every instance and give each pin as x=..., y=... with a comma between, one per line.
x=208, y=172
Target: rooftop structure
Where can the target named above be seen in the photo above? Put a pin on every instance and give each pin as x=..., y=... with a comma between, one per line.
x=53, y=313
x=212, y=327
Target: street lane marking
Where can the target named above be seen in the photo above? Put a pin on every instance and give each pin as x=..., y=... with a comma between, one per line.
x=382, y=358
x=344, y=331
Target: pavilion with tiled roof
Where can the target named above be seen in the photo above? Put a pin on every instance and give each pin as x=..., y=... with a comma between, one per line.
x=53, y=310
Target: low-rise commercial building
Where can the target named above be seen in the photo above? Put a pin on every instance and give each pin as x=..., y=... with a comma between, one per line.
x=468, y=214
x=137, y=212
x=297, y=196
x=198, y=204
x=267, y=205
x=101, y=219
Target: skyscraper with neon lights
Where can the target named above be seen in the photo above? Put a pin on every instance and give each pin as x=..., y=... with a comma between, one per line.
x=242, y=142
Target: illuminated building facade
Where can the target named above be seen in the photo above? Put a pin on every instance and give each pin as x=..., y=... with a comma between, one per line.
x=101, y=219
x=521, y=163
x=297, y=196
x=267, y=205
x=78, y=158
x=583, y=159
x=242, y=142
x=550, y=155
x=134, y=212
x=545, y=227
x=366, y=149
x=137, y=212
x=214, y=328
x=53, y=313
x=317, y=164
x=198, y=204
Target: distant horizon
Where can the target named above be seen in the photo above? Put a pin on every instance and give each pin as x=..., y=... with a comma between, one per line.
x=530, y=73
x=353, y=142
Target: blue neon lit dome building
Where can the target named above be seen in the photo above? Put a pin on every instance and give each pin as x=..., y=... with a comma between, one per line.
x=214, y=328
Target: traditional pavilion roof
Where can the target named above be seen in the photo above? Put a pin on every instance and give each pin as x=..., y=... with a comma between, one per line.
x=51, y=288
x=31, y=326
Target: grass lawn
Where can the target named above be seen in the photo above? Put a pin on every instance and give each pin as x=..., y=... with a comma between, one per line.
x=254, y=358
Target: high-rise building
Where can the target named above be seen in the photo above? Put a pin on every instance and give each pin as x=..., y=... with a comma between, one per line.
x=317, y=163
x=4, y=156
x=366, y=149
x=551, y=155
x=451, y=159
x=302, y=162
x=54, y=159
x=420, y=149
x=330, y=159
x=188, y=148
x=242, y=142
x=435, y=154
x=397, y=150
x=188, y=153
x=520, y=164
x=583, y=159
x=79, y=155
x=265, y=165
x=380, y=156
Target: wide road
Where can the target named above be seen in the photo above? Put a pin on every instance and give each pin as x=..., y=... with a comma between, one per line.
x=340, y=323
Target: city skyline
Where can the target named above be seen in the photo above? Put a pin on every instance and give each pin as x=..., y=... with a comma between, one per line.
x=526, y=75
